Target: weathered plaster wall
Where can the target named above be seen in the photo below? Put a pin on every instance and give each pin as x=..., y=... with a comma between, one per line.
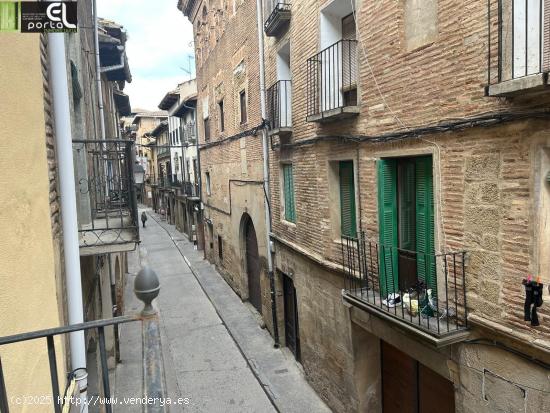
x=29, y=290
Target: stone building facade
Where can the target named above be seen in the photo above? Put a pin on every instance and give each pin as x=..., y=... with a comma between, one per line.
x=419, y=90
x=228, y=111
x=408, y=177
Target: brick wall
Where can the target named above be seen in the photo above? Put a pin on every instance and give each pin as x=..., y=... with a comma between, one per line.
x=486, y=174
x=226, y=48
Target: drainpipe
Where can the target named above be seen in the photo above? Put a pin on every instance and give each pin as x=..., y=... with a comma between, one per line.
x=67, y=189
x=98, y=72
x=265, y=150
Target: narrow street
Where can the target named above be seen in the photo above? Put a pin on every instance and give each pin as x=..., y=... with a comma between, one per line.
x=215, y=353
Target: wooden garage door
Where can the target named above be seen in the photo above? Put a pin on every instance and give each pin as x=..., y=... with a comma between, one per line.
x=410, y=387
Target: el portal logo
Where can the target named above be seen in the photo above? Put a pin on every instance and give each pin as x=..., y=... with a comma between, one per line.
x=48, y=16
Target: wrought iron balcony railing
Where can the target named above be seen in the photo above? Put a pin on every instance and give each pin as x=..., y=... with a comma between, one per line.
x=189, y=133
x=518, y=39
x=163, y=150
x=279, y=106
x=106, y=196
x=191, y=189
x=332, y=81
x=279, y=16
x=154, y=381
x=424, y=293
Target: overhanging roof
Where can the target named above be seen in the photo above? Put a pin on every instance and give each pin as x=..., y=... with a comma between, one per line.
x=169, y=100
x=161, y=127
x=184, y=106
x=122, y=102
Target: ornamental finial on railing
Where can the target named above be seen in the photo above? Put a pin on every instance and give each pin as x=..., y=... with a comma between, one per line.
x=146, y=288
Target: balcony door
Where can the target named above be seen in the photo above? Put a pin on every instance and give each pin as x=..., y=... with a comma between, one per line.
x=406, y=223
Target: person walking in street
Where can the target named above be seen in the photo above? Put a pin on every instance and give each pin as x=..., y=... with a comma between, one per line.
x=143, y=218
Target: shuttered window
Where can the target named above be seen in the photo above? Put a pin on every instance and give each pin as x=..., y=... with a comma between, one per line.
x=347, y=199
x=9, y=19
x=387, y=216
x=425, y=222
x=288, y=193
x=406, y=219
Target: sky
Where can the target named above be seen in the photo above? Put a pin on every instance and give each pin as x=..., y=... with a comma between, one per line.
x=159, y=47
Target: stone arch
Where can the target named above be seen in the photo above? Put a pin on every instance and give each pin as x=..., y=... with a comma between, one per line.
x=251, y=261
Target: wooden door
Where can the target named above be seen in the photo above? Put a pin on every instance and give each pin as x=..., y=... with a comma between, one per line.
x=399, y=387
x=292, y=336
x=253, y=267
x=410, y=387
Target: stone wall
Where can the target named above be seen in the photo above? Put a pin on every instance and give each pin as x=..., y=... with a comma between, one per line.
x=226, y=48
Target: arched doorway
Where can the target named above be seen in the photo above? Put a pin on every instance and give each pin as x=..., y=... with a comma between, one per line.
x=252, y=264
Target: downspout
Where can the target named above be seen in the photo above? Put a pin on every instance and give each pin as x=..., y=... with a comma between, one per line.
x=98, y=72
x=67, y=189
x=265, y=150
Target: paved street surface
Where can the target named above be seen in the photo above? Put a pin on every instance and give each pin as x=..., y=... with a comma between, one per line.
x=215, y=353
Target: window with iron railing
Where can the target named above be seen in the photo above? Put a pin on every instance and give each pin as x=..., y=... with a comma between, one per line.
x=278, y=14
x=332, y=78
x=279, y=108
x=518, y=39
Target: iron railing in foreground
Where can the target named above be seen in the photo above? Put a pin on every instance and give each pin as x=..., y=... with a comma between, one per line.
x=427, y=291
x=517, y=31
x=106, y=192
x=154, y=383
x=279, y=105
x=332, y=78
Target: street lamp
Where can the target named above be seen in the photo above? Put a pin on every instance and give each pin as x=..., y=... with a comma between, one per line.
x=139, y=175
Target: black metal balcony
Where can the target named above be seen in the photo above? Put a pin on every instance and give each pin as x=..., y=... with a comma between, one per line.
x=191, y=189
x=279, y=16
x=279, y=107
x=424, y=294
x=332, y=82
x=106, y=196
x=189, y=135
x=518, y=52
x=163, y=151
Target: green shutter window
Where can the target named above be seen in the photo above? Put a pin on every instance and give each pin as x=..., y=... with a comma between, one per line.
x=387, y=216
x=9, y=19
x=288, y=188
x=347, y=199
x=425, y=245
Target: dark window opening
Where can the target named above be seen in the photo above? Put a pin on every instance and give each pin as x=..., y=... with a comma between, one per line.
x=242, y=100
x=222, y=116
x=206, y=129
x=220, y=247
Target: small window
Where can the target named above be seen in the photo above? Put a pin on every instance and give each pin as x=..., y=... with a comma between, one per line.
x=220, y=248
x=222, y=116
x=348, y=225
x=288, y=193
x=208, y=184
x=242, y=100
x=206, y=129
x=211, y=235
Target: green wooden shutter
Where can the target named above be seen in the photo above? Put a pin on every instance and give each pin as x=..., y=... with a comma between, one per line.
x=406, y=204
x=347, y=199
x=425, y=222
x=8, y=16
x=288, y=186
x=387, y=216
